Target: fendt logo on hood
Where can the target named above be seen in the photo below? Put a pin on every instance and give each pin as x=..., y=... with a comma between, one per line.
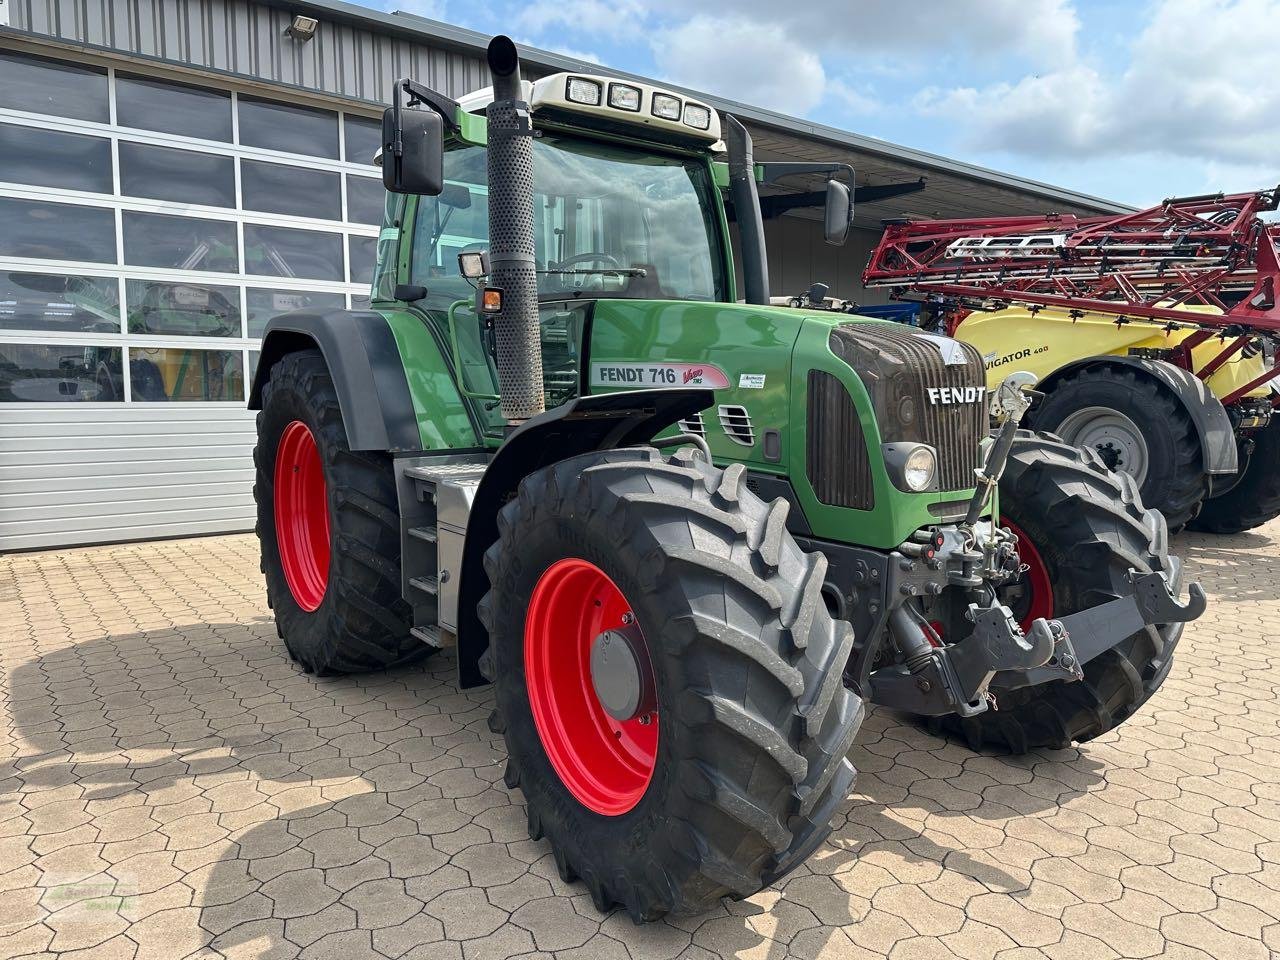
x=948, y=395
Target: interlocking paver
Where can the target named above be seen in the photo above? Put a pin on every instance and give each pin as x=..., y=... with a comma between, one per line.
x=171, y=785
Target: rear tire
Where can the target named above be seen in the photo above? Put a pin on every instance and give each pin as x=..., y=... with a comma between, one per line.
x=353, y=619
x=1088, y=527
x=1255, y=498
x=1175, y=481
x=753, y=719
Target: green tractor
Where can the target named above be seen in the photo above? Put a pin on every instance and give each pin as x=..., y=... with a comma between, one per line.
x=686, y=538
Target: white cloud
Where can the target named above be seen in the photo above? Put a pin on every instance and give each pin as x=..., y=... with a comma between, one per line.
x=609, y=18
x=741, y=60
x=1197, y=86
x=1041, y=29
x=851, y=99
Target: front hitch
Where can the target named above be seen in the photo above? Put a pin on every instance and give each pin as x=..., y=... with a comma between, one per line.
x=1087, y=634
x=937, y=680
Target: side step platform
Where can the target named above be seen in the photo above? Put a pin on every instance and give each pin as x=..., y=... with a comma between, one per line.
x=435, y=495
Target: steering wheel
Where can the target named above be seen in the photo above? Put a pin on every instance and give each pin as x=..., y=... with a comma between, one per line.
x=590, y=256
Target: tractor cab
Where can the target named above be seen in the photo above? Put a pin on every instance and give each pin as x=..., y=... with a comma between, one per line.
x=627, y=205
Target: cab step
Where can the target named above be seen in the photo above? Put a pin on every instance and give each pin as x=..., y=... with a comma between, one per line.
x=425, y=534
x=429, y=585
x=435, y=496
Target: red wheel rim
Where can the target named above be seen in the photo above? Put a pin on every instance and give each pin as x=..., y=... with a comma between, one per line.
x=605, y=764
x=302, y=516
x=1035, y=580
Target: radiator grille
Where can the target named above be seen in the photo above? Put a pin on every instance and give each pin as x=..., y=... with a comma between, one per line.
x=899, y=368
x=836, y=459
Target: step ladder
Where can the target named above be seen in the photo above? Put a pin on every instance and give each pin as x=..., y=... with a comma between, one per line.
x=435, y=495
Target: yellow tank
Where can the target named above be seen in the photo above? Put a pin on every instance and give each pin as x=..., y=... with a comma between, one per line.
x=1015, y=339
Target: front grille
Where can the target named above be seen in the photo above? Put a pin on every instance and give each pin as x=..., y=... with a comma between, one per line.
x=836, y=460
x=899, y=366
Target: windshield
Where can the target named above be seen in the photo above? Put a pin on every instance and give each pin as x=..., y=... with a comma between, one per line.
x=609, y=221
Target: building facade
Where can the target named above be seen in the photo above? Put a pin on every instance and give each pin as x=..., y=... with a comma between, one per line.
x=175, y=172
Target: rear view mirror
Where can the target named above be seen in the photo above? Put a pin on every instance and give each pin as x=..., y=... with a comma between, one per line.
x=839, y=213
x=456, y=195
x=413, y=151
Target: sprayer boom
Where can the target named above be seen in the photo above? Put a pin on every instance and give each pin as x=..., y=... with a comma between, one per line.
x=1209, y=250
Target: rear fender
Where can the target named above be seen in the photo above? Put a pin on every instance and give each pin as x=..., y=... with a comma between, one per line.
x=368, y=374
x=1213, y=426
x=600, y=422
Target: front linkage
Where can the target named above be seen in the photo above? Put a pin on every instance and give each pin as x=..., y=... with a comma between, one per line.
x=928, y=677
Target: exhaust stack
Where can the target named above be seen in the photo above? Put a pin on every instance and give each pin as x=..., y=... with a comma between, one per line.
x=511, y=251
x=746, y=208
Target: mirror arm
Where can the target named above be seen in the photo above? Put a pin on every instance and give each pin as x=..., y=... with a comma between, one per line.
x=775, y=170
x=418, y=94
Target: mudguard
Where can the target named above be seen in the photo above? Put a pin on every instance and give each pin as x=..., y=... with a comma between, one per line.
x=1213, y=426
x=601, y=422
x=368, y=374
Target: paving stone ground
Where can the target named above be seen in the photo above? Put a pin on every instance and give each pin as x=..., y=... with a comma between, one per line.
x=172, y=786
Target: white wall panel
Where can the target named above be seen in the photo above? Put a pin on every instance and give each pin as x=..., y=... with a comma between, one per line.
x=102, y=473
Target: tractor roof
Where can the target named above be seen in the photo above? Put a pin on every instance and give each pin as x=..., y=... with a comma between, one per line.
x=617, y=103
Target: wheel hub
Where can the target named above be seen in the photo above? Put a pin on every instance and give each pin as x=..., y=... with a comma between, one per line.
x=1115, y=437
x=591, y=686
x=620, y=674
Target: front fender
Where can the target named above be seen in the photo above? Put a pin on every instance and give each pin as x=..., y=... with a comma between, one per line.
x=364, y=362
x=1213, y=426
x=601, y=422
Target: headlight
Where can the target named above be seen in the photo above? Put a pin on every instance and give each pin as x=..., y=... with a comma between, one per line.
x=624, y=97
x=919, y=469
x=666, y=107
x=582, y=90
x=696, y=115
x=913, y=467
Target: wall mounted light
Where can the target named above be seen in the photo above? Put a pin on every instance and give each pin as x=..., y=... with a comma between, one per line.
x=302, y=28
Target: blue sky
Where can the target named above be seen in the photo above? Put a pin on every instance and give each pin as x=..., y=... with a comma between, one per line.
x=1130, y=100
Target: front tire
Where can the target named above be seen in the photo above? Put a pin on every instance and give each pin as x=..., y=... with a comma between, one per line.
x=1255, y=497
x=733, y=781
x=1137, y=427
x=1081, y=527
x=329, y=529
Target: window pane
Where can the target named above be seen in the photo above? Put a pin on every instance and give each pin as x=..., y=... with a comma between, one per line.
x=363, y=138
x=173, y=108
x=365, y=196
x=174, y=373
x=49, y=158
x=359, y=302
x=364, y=252
x=49, y=86
x=193, y=309
x=253, y=364
x=282, y=126
x=34, y=301
x=157, y=240
x=59, y=373
x=182, y=176
x=285, y=252
x=265, y=304
x=294, y=191
x=56, y=231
